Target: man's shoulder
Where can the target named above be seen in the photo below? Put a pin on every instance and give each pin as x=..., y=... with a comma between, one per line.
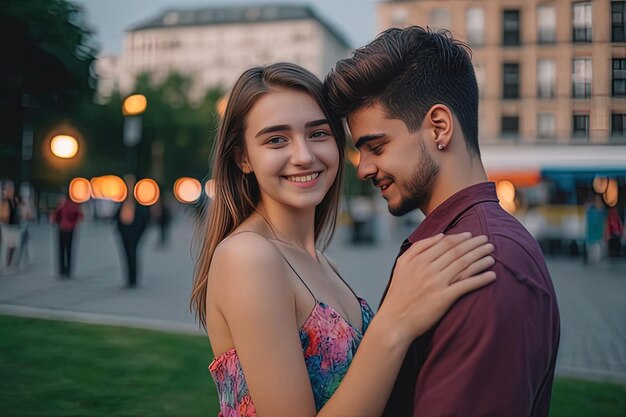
x=516, y=250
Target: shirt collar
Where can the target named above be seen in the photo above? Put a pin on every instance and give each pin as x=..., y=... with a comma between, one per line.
x=448, y=212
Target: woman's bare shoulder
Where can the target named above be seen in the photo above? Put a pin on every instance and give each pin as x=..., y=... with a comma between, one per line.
x=247, y=258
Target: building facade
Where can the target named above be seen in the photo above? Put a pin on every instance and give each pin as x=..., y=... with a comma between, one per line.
x=549, y=71
x=214, y=45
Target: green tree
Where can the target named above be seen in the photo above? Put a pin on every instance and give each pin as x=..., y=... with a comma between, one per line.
x=177, y=133
x=45, y=76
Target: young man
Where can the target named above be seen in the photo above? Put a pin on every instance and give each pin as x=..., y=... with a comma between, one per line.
x=410, y=100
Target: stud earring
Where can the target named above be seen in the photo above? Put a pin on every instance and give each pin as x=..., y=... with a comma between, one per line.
x=440, y=146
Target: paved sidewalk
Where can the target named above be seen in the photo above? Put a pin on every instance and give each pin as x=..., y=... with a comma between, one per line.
x=592, y=299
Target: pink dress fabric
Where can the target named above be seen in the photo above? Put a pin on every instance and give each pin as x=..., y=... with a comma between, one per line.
x=329, y=343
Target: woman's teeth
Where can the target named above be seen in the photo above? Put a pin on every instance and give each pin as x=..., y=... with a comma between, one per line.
x=304, y=178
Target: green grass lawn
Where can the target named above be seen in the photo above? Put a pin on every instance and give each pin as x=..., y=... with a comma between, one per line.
x=52, y=368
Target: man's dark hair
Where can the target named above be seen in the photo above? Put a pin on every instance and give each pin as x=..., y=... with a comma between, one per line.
x=408, y=71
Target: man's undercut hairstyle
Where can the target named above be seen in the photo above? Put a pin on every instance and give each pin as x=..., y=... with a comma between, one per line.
x=407, y=71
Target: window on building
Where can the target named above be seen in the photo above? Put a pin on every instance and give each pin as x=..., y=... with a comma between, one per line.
x=439, y=19
x=580, y=127
x=475, y=26
x=581, y=78
x=618, y=21
x=399, y=17
x=581, y=22
x=618, y=88
x=618, y=125
x=510, y=27
x=546, y=78
x=510, y=126
x=546, y=125
x=546, y=24
x=510, y=80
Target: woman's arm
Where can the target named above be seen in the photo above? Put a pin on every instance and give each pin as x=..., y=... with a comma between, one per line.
x=256, y=299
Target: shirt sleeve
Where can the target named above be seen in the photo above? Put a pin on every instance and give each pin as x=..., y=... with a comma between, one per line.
x=487, y=353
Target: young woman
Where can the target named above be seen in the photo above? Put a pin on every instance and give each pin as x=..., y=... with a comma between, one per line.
x=282, y=323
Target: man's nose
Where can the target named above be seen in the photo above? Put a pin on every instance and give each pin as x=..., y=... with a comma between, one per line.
x=366, y=169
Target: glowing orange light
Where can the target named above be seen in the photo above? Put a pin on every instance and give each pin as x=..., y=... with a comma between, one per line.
x=600, y=184
x=64, y=146
x=146, y=192
x=80, y=190
x=134, y=105
x=187, y=190
x=209, y=189
x=109, y=187
x=353, y=156
x=611, y=194
x=220, y=106
x=506, y=194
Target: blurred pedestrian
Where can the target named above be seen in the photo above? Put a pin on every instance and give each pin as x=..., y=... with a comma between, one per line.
x=10, y=221
x=595, y=218
x=67, y=216
x=614, y=230
x=132, y=219
x=163, y=217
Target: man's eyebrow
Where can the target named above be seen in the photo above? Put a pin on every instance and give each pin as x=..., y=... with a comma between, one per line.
x=366, y=138
x=314, y=123
x=275, y=128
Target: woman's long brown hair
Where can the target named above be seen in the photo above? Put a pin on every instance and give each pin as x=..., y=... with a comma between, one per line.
x=236, y=198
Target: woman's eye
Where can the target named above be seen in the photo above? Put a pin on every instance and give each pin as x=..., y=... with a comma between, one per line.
x=320, y=134
x=276, y=140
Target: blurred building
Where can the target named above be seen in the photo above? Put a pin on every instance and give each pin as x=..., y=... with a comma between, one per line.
x=548, y=71
x=215, y=44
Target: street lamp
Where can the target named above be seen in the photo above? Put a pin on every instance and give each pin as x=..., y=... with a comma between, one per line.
x=132, y=109
x=187, y=190
x=64, y=146
x=146, y=192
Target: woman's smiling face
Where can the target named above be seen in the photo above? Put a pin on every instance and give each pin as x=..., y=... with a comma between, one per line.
x=290, y=148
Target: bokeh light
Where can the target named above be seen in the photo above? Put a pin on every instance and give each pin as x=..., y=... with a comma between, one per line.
x=80, y=190
x=187, y=190
x=610, y=195
x=134, y=105
x=220, y=106
x=64, y=146
x=600, y=184
x=353, y=156
x=109, y=187
x=209, y=189
x=146, y=192
x=506, y=194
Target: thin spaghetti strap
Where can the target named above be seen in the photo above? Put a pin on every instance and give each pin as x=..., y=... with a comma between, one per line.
x=338, y=274
x=284, y=257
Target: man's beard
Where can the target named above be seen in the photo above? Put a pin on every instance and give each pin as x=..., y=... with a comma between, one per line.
x=419, y=186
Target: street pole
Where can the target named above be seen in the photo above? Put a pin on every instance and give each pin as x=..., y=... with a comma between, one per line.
x=132, y=109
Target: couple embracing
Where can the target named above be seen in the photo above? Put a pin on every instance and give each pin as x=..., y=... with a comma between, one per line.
x=468, y=324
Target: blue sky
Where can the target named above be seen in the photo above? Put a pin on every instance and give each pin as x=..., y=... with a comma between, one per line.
x=356, y=19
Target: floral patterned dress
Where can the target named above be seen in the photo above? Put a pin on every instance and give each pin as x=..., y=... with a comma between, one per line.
x=329, y=343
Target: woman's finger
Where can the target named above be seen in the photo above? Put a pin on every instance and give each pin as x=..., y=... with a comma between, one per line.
x=459, y=251
x=458, y=265
x=438, y=248
x=470, y=284
x=420, y=246
x=475, y=268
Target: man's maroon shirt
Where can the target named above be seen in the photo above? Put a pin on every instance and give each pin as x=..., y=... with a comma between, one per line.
x=494, y=352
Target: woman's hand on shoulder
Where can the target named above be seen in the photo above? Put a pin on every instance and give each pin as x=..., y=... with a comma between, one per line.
x=430, y=276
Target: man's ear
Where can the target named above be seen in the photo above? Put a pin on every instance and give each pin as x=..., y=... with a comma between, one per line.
x=439, y=120
x=242, y=161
